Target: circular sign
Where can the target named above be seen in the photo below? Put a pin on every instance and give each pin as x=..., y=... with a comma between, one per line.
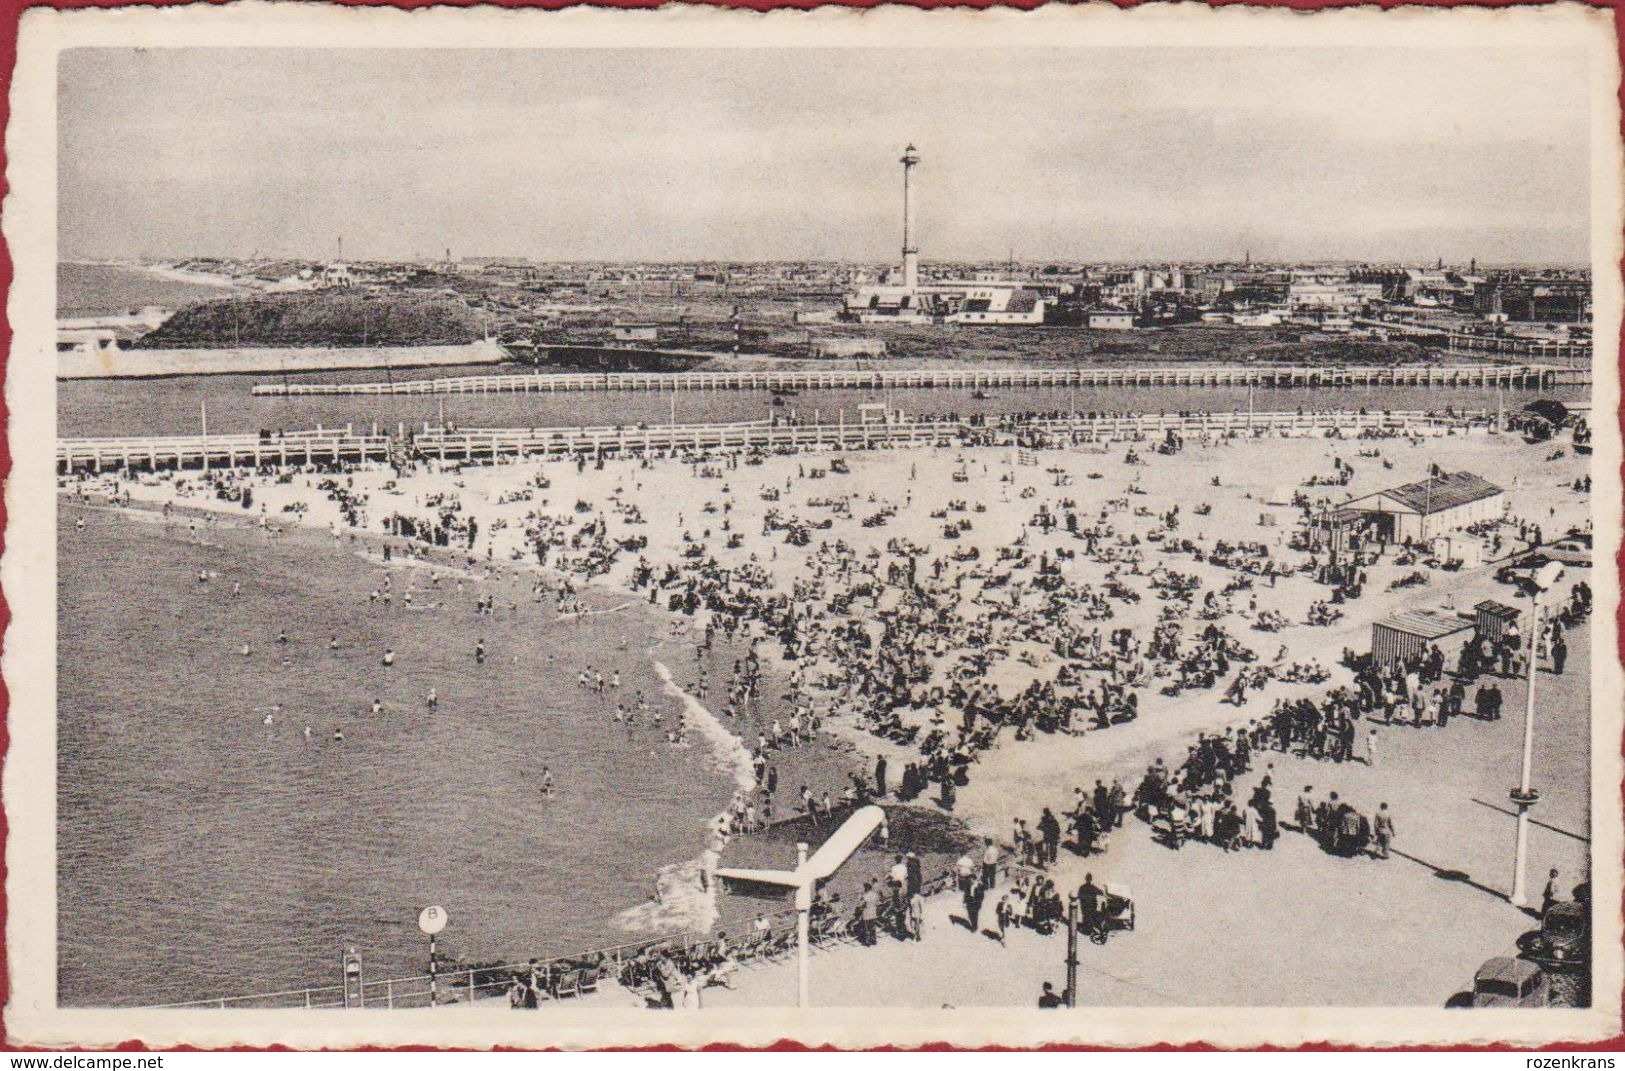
x=432, y=921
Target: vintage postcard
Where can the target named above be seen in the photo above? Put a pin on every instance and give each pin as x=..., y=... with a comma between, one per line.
x=596, y=528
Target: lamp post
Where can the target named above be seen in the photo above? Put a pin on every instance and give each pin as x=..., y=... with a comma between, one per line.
x=1072, y=951
x=803, y=930
x=1524, y=796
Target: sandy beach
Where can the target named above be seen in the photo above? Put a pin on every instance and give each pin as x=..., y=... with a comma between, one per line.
x=993, y=497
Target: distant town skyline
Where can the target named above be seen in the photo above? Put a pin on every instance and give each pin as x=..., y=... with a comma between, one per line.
x=1077, y=155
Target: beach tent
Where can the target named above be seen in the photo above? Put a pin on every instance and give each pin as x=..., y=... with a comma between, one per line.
x=1396, y=638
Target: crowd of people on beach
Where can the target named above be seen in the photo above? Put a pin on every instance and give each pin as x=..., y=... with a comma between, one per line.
x=944, y=650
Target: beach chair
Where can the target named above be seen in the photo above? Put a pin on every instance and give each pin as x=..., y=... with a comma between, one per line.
x=588, y=982
x=568, y=985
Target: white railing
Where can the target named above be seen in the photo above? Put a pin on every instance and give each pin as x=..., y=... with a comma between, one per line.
x=904, y=378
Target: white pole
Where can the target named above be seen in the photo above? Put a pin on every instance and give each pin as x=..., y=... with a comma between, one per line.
x=1524, y=797
x=803, y=910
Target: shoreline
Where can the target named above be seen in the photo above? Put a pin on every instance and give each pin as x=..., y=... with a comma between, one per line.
x=683, y=903
x=1011, y=778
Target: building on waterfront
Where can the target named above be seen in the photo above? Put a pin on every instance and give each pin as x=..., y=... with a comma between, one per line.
x=87, y=341
x=1441, y=503
x=902, y=298
x=1111, y=320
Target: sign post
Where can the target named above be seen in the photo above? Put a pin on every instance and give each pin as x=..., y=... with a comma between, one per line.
x=431, y=922
x=355, y=984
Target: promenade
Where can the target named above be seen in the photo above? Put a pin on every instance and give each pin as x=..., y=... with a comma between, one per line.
x=1288, y=927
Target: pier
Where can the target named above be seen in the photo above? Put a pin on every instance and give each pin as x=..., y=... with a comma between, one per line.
x=445, y=443
x=1526, y=376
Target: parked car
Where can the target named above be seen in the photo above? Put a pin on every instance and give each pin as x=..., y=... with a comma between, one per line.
x=1504, y=982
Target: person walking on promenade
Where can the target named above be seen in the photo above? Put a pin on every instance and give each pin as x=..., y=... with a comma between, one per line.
x=973, y=904
x=1049, y=828
x=1383, y=828
x=1560, y=653
x=1549, y=896
x=916, y=915
x=868, y=913
x=1304, y=814
x=1368, y=753
x=964, y=872
x=1002, y=915
x=880, y=778
x=990, y=863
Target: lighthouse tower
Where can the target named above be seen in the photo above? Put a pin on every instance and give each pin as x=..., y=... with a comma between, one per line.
x=911, y=253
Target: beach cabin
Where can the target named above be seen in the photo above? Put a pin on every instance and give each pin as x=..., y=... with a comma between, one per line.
x=1397, y=638
x=1493, y=619
x=1441, y=503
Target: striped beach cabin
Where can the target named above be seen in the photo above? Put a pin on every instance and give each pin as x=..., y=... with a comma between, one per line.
x=1395, y=639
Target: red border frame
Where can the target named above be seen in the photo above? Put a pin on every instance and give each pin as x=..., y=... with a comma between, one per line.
x=11, y=12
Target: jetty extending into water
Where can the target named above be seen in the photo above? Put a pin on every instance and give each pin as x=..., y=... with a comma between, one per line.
x=451, y=443
x=1521, y=376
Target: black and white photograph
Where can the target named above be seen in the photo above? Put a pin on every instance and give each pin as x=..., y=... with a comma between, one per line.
x=990, y=530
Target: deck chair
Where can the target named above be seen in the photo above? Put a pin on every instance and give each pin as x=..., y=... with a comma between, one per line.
x=569, y=985
x=589, y=981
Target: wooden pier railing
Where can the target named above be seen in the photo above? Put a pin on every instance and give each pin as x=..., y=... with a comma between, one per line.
x=467, y=444
x=335, y=446
x=321, y=446
x=1414, y=375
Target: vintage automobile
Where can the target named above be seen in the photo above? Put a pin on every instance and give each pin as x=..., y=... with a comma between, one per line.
x=1504, y=982
x=1562, y=949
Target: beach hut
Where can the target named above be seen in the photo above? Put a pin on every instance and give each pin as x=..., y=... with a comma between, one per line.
x=1441, y=503
x=1494, y=618
x=1396, y=638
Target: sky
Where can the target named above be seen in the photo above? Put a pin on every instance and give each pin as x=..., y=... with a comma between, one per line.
x=685, y=154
